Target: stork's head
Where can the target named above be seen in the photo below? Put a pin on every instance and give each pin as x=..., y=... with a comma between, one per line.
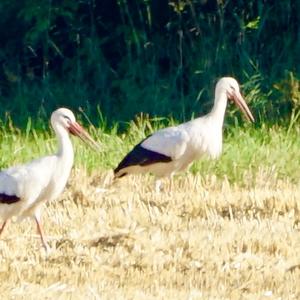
x=64, y=118
x=230, y=87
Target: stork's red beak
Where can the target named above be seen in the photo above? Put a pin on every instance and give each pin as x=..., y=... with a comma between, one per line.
x=241, y=103
x=78, y=130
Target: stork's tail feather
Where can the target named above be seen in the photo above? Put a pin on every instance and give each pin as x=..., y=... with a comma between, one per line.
x=119, y=172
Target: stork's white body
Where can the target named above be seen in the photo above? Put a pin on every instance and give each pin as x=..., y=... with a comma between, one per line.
x=184, y=144
x=25, y=188
x=35, y=183
x=174, y=148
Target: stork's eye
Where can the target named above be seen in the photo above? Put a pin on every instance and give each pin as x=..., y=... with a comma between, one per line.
x=67, y=118
x=232, y=87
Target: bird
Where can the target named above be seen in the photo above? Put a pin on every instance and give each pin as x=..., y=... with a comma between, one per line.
x=25, y=188
x=173, y=149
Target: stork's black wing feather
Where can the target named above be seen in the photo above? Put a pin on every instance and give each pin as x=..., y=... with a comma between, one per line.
x=8, y=199
x=142, y=157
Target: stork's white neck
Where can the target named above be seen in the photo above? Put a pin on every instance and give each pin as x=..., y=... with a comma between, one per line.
x=219, y=108
x=65, y=149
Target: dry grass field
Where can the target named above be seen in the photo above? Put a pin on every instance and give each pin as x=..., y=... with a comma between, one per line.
x=201, y=238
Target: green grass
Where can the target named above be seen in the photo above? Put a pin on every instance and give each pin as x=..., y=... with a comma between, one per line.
x=247, y=151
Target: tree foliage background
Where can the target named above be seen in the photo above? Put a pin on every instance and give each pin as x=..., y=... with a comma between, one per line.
x=118, y=58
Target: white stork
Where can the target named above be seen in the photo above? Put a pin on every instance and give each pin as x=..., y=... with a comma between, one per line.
x=174, y=148
x=25, y=188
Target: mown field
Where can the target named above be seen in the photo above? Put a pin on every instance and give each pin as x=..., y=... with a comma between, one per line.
x=228, y=229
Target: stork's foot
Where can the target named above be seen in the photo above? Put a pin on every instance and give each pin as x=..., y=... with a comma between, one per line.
x=161, y=186
x=47, y=248
x=42, y=235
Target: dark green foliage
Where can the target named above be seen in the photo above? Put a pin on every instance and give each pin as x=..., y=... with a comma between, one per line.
x=160, y=57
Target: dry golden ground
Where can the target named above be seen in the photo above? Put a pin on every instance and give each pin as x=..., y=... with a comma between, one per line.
x=201, y=238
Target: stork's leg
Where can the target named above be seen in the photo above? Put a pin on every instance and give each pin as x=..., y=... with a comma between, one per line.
x=157, y=186
x=41, y=233
x=2, y=227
